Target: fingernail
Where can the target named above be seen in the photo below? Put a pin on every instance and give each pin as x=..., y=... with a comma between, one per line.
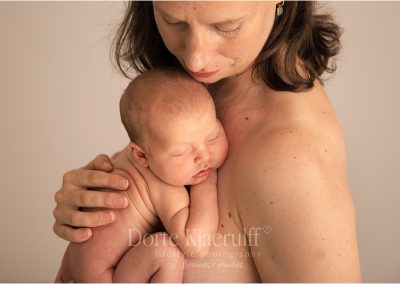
x=121, y=202
x=86, y=233
x=106, y=165
x=107, y=216
x=123, y=183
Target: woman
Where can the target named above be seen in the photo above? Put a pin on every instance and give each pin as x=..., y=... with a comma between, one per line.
x=286, y=213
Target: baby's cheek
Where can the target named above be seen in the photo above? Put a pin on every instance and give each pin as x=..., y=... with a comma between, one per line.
x=178, y=176
x=223, y=153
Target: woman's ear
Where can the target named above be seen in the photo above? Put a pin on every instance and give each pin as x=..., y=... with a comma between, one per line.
x=138, y=154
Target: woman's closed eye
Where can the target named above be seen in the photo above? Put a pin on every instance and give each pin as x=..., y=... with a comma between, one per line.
x=223, y=30
x=229, y=32
x=173, y=23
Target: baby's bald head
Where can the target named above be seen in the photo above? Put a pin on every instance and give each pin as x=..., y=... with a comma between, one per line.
x=159, y=94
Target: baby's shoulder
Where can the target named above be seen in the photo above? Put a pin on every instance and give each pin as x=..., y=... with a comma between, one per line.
x=139, y=190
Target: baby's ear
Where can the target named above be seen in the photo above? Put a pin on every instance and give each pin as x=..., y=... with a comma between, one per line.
x=138, y=154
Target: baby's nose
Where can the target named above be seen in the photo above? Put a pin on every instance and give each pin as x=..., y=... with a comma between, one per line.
x=203, y=158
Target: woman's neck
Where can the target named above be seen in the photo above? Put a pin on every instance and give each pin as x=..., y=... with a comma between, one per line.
x=237, y=93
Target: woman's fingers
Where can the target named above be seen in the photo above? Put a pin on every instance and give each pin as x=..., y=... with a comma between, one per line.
x=73, y=224
x=71, y=234
x=76, y=218
x=93, y=178
x=102, y=163
x=91, y=199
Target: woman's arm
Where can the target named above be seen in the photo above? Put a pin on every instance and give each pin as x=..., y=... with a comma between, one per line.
x=299, y=188
x=74, y=225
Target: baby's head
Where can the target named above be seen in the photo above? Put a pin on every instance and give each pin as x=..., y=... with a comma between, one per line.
x=171, y=122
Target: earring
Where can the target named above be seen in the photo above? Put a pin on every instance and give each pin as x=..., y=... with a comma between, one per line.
x=279, y=8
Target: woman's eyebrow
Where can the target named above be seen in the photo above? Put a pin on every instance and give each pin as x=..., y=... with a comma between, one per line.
x=229, y=21
x=156, y=7
x=223, y=22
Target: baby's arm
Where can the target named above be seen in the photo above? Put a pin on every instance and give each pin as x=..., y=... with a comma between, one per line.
x=203, y=212
x=190, y=222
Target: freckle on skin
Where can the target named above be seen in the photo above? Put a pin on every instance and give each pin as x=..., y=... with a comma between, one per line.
x=320, y=253
x=247, y=118
x=222, y=225
x=229, y=214
x=271, y=202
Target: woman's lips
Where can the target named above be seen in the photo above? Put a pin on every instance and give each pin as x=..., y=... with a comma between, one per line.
x=203, y=74
x=203, y=173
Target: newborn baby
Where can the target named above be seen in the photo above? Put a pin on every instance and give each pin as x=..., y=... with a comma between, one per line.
x=176, y=140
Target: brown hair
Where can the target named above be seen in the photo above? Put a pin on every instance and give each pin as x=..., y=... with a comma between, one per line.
x=299, y=35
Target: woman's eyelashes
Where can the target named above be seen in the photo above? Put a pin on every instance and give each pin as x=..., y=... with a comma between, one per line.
x=223, y=31
x=174, y=24
x=229, y=32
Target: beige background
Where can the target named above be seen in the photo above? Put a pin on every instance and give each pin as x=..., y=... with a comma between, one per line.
x=59, y=108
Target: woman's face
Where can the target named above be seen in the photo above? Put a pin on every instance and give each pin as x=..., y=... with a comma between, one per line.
x=214, y=40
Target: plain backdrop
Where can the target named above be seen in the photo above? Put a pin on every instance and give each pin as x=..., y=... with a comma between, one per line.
x=59, y=98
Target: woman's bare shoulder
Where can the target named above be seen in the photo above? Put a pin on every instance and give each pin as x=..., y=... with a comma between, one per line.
x=296, y=183
x=306, y=149
x=302, y=125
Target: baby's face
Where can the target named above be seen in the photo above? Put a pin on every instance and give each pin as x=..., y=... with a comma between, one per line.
x=185, y=148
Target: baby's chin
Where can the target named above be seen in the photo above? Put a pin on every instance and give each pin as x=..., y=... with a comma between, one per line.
x=195, y=181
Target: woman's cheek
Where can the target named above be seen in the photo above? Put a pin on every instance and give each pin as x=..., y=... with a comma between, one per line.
x=171, y=40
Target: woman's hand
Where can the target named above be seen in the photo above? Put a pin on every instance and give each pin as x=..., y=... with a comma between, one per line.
x=74, y=225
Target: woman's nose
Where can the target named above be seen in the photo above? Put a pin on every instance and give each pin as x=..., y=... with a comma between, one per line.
x=197, y=50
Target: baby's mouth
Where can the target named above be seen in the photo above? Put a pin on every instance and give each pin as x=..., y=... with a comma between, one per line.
x=203, y=173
